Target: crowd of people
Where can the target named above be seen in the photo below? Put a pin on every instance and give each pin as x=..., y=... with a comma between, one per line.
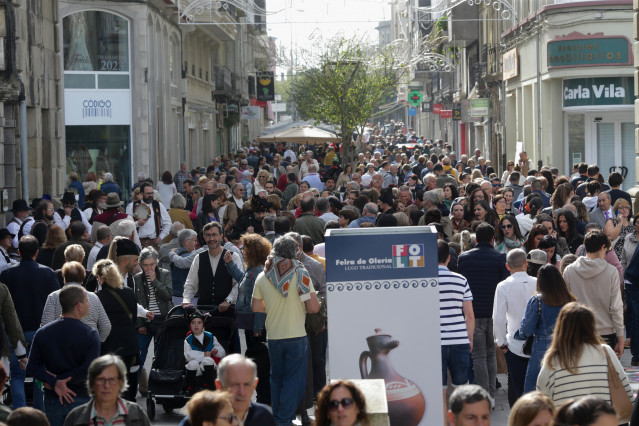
x=539, y=265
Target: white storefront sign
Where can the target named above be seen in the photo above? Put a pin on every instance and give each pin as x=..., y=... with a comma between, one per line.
x=250, y=113
x=97, y=107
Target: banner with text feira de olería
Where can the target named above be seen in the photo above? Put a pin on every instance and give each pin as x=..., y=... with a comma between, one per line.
x=383, y=316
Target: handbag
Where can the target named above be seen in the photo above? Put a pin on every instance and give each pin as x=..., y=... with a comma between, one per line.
x=618, y=396
x=245, y=320
x=527, y=348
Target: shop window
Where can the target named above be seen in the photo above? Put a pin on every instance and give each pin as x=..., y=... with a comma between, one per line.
x=96, y=41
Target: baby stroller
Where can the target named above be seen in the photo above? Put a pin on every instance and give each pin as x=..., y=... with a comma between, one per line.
x=167, y=376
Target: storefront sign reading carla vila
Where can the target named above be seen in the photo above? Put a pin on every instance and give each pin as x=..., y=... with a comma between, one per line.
x=381, y=287
x=579, y=92
x=583, y=50
x=97, y=107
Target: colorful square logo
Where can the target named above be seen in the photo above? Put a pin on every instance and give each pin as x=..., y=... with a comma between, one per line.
x=408, y=256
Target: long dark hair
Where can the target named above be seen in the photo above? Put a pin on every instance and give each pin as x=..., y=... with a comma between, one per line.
x=552, y=287
x=167, y=178
x=321, y=411
x=207, y=207
x=499, y=237
x=453, y=190
x=491, y=216
x=572, y=225
x=536, y=230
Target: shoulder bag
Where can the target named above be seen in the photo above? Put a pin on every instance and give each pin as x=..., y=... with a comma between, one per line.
x=618, y=396
x=527, y=348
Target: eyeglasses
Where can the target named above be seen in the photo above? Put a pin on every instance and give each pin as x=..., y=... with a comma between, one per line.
x=230, y=418
x=506, y=226
x=101, y=381
x=334, y=404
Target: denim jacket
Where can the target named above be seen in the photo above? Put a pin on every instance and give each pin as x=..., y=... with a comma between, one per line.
x=529, y=325
x=247, y=282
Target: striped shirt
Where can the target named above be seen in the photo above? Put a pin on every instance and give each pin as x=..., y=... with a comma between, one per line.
x=97, y=318
x=153, y=301
x=118, y=419
x=591, y=378
x=453, y=291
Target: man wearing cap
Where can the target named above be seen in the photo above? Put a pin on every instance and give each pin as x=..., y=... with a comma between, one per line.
x=29, y=284
x=385, y=201
x=208, y=273
x=157, y=225
x=5, y=244
x=111, y=216
x=97, y=206
x=69, y=213
x=21, y=222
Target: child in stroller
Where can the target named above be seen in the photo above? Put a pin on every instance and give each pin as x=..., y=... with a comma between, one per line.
x=202, y=352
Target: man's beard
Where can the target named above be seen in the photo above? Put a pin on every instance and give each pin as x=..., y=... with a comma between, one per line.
x=147, y=200
x=48, y=217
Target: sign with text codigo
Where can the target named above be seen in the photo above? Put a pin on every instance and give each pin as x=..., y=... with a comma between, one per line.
x=97, y=107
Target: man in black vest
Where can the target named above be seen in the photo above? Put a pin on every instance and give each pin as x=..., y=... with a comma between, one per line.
x=154, y=228
x=216, y=288
x=70, y=213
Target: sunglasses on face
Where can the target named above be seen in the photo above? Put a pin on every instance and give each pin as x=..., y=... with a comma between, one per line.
x=334, y=404
x=506, y=226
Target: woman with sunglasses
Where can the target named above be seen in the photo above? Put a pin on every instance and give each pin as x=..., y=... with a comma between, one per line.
x=510, y=167
x=508, y=235
x=340, y=404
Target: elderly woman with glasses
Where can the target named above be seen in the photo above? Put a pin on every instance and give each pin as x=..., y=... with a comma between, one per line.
x=153, y=292
x=107, y=381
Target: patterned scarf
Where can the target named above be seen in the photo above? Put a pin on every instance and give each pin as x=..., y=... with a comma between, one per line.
x=283, y=270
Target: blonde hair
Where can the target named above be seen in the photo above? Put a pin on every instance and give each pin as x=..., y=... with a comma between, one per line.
x=74, y=252
x=108, y=273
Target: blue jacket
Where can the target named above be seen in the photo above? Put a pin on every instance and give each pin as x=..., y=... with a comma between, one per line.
x=484, y=267
x=30, y=284
x=80, y=189
x=108, y=187
x=247, y=282
x=178, y=275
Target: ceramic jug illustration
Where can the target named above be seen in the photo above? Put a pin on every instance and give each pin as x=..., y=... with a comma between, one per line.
x=406, y=404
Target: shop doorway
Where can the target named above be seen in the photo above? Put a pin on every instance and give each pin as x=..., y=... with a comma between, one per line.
x=612, y=145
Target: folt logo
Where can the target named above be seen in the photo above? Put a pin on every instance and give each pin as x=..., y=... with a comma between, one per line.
x=408, y=255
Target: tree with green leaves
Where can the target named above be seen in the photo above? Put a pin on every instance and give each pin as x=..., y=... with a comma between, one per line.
x=346, y=85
